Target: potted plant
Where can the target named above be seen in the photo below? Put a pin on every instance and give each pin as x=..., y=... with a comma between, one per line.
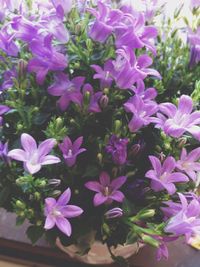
x=98, y=149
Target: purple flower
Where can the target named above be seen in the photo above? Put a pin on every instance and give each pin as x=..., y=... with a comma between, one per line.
x=117, y=147
x=54, y=25
x=34, y=157
x=134, y=34
x=194, y=4
x=163, y=176
x=145, y=94
x=142, y=112
x=194, y=42
x=65, y=5
x=8, y=77
x=176, y=121
x=104, y=75
x=4, y=152
x=188, y=162
x=47, y=59
x=107, y=190
x=127, y=69
x=3, y=109
x=106, y=18
x=69, y=91
x=186, y=221
x=71, y=150
x=114, y=213
x=58, y=212
x=7, y=44
x=162, y=251
x=95, y=98
x=24, y=29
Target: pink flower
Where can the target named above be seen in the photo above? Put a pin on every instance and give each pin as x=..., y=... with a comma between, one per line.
x=107, y=190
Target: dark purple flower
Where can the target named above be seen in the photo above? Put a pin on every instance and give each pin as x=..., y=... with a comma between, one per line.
x=106, y=190
x=142, y=112
x=7, y=43
x=176, y=121
x=34, y=157
x=69, y=91
x=104, y=75
x=106, y=18
x=71, y=150
x=187, y=220
x=117, y=147
x=188, y=163
x=127, y=69
x=4, y=152
x=8, y=77
x=194, y=42
x=58, y=212
x=46, y=59
x=114, y=213
x=163, y=176
x=95, y=98
x=3, y=109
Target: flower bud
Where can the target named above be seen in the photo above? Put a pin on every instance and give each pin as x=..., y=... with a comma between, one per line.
x=56, y=193
x=135, y=150
x=146, y=214
x=106, y=91
x=54, y=182
x=182, y=142
x=150, y=240
x=117, y=126
x=37, y=196
x=20, y=204
x=103, y=101
x=114, y=213
x=86, y=98
x=100, y=157
x=22, y=66
x=59, y=122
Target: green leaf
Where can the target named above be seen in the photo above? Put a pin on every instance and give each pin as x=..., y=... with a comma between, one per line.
x=34, y=233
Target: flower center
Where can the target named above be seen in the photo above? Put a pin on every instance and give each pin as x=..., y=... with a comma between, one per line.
x=34, y=158
x=70, y=153
x=163, y=176
x=56, y=213
x=106, y=191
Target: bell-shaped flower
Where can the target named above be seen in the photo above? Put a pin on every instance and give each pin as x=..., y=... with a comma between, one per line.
x=33, y=156
x=3, y=109
x=69, y=91
x=58, y=212
x=163, y=176
x=175, y=121
x=71, y=150
x=106, y=190
x=188, y=163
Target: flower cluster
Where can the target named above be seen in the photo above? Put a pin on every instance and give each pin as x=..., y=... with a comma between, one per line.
x=84, y=108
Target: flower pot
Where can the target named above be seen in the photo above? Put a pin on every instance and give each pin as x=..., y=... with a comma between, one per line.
x=99, y=254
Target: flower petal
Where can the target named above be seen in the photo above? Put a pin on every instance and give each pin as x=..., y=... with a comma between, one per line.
x=17, y=154
x=64, y=225
x=185, y=104
x=99, y=199
x=71, y=211
x=65, y=197
x=94, y=186
x=118, y=182
x=104, y=179
x=46, y=146
x=47, y=160
x=49, y=222
x=117, y=196
x=28, y=143
x=28, y=166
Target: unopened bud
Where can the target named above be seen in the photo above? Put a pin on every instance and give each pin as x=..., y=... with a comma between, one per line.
x=117, y=126
x=182, y=142
x=59, y=122
x=135, y=150
x=100, y=157
x=22, y=66
x=54, y=182
x=37, y=196
x=103, y=101
x=56, y=193
x=114, y=213
x=150, y=240
x=20, y=204
x=86, y=98
x=19, y=127
x=146, y=214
